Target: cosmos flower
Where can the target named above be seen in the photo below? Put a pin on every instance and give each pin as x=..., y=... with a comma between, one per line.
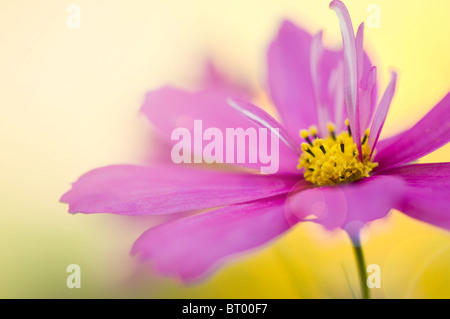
x=333, y=169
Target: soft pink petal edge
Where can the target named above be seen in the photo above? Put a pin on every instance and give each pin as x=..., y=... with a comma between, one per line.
x=427, y=135
x=169, y=108
x=427, y=193
x=165, y=189
x=190, y=248
x=348, y=206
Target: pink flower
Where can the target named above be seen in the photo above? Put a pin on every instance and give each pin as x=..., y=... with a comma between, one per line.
x=337, y=175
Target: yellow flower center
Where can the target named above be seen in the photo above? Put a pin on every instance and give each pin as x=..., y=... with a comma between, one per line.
x=334, y=159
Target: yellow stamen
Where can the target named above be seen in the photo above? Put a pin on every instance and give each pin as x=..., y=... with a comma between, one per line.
x=331, y=129
x=304, y=134
x=306, y=148
x=313, y=130
x=347, y=123
x=335, y=159
x=366, y=135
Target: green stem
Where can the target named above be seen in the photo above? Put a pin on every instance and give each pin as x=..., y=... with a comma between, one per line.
x=361, y=263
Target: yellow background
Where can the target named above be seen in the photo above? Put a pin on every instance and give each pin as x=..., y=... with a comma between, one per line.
x=69, y=102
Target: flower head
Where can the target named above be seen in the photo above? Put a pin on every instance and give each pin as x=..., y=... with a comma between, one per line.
x=334, y=159
x=338, y=174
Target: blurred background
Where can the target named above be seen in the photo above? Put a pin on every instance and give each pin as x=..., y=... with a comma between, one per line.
x=69, y=102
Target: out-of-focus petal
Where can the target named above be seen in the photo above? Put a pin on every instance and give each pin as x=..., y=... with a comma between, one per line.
x=327, y=75
x=164, y=189
x=347, y=206
x=305, y=80
x=350, y=69
x=382, y=110
x=367, y=82
x=260, y=118
x=323, y=114
x=427, y=193
x=427, y=135
x=335, y=96
x=360, y=51
x=188, y=248
x=213, y=78
x=367, y=101
x=170, y=108
x=289, y=77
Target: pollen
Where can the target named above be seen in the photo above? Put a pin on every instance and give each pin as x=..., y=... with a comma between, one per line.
x=334, y=159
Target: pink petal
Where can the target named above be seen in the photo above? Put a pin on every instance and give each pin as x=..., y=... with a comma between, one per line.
x=336, y=94
x=187, y=248
x=430, y=133
x=362, y=107
x=350, y=68
x=289, y=78
x=348, y=206
x=305, y=80
x=367, y=101
x=261, y=119
x=169, y=108
x=323, y=117
x=427, y=192
x=164, y=189
x=360, y=51
x=213, y=78
x=382, y=110
x=327, y=75
x=367, y=78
